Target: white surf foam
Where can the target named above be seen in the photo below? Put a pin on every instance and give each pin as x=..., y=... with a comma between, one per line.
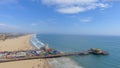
x=64, y=63
x=35, y=42
x=58, y=62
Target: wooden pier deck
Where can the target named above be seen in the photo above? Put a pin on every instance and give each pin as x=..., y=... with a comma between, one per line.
x=4, y=57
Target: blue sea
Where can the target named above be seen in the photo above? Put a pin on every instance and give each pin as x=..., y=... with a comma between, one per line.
x=73, y=43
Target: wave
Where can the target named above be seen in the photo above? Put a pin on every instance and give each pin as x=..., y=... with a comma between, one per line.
x=35, y=42
x=55, y=62
x=64, y=63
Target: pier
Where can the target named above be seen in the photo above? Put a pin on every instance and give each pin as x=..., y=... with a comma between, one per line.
x=9, y=56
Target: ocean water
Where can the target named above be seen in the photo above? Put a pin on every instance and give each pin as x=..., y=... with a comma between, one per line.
x=70, y=43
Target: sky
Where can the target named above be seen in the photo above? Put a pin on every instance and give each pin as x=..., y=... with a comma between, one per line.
x=91, y=17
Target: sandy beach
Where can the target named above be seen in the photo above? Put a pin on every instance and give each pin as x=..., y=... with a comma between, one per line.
x=21, y=43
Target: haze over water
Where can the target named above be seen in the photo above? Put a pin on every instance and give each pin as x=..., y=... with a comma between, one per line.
x=70, y=43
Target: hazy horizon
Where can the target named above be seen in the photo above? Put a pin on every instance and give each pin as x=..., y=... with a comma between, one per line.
x=82, y=17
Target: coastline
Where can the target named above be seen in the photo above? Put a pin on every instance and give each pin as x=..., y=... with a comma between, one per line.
x=21, y=43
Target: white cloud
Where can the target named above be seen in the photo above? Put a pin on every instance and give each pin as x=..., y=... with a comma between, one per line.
x=75, y=6
x=86, y=20
x=11, y=28
x=6, y=26
x=67, y=2
x=71, y=10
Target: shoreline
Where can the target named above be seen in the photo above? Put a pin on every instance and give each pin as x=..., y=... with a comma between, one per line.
x=21, y=43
